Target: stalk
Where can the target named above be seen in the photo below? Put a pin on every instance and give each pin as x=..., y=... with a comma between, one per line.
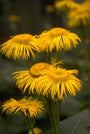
x=28, y=123
x=58, y=102
x=53, y=116
x=88, y=74
x=57, y=56
x=48, y=57
x=54, y=113
x=28, y=64
x=58, y=114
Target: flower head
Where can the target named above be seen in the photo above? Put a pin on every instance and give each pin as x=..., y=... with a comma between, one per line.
x=81, y=16
x=36, y=131
x=58, y=38
x=86, y=2
x=58, y=82
x=26, y=106
x=22, y=45
x=27, y=79
x=66, y=5
x=14, y=18
x=49, y=8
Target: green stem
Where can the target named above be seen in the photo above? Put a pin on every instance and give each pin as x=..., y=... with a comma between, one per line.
x=58, y=102
x=48, y=57
x=57, y=56
x=88, y=81
x=28, y=123
x=53, y=116
x=28, y=64
x=75, y=52
x=58, y=108
x=58, y=114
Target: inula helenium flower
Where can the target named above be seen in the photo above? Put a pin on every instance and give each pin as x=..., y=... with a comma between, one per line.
x=27, y=79
x=86, y=3
x=36, y=131
x=22, y=45
x=26, y=106
x=14, y=18
x=49, y=8
x=81, y=16
x=66, y=5
x=58, y=82
x=58, y=38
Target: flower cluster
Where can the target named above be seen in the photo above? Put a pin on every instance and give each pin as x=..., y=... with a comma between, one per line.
x=81, y=16
x=78, y=13
x=65, y=5
x=42, y=77
x=46, y=79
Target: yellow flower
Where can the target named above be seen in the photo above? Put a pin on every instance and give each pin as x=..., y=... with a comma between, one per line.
x=49, y=8
x=81, y=16
x=58, y=82
x=66, y=5
x=36, y=131
x=27, y=106
x=14, y=18
x=27, y=79
x=86, y=6
x=22, y=45
x=58, y=38
x=86, y=2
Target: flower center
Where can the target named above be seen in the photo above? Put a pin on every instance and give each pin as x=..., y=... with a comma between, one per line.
x=58, y=32
x=58, y=75
x=38, y=69
x=25, y=100
x=23, y=39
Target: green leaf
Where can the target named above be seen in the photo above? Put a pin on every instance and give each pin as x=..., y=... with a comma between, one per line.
x=77, y=124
